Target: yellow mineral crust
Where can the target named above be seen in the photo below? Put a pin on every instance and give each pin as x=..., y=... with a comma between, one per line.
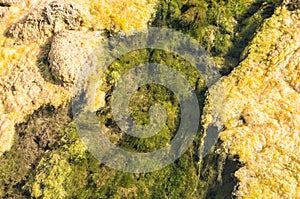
x=26, y=83
x=118, y=15
x=261, y=112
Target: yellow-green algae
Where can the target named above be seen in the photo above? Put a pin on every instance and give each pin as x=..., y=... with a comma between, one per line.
x=81, y=176
x=261, y=115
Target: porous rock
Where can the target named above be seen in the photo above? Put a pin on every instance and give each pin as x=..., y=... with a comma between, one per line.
x=43, y=23
x=69, y=52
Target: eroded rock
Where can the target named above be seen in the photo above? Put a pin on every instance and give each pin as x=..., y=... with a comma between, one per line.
x=260, y=113
x=70, y=51
x=43, y=23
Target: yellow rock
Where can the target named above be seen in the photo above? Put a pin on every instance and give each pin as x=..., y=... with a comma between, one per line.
x=261, y=114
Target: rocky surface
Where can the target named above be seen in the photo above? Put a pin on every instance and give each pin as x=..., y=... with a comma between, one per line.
x=6, y=125
x=260, y=115
x=40, y=32
x=9, y=2
x=45, y=43
x=291, y=4
x=45, y=22
x=70, y=51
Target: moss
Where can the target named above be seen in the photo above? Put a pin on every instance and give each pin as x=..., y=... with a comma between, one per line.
x=224, y=28
x=71, y=172
x=84, y=177
x=39, y=133
x=60, y=171
x=65, y=170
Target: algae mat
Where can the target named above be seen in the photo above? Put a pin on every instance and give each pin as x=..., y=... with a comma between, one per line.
x=256, y=47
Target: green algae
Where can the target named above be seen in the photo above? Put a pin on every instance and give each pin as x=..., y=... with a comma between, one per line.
x=66, y=170
x=224, y=28
x=71, y=172
x=39, y=134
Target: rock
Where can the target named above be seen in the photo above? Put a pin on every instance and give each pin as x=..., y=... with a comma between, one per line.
x=9, y=2
x=291, y=4
x=260, y=113
x=66, y=56
x=43, y=23
x=69, y=52
x=6, y=132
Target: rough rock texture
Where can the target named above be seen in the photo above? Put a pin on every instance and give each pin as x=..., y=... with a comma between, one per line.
x=23, y=89
x=259, y=120
x=44, y=22
x=27, y=82
x=71, y=51
x=260, y=115
x=6, y=5
x=9, y=2
x=65, y=56
x=291, y=4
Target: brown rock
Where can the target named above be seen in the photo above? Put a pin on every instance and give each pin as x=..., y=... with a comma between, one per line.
x=43, y=23
x=69, y=52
